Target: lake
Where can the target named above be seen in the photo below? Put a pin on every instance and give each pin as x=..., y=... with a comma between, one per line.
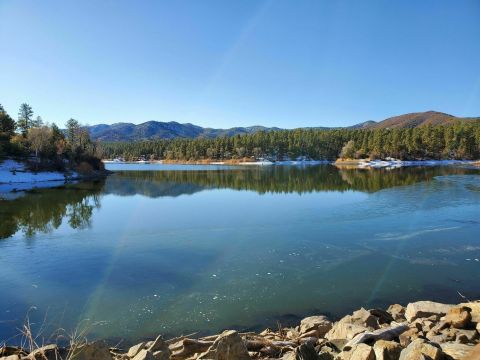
x=177, y=249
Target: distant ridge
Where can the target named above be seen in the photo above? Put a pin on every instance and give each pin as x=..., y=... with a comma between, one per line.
x=151, y=130
x=418, y=119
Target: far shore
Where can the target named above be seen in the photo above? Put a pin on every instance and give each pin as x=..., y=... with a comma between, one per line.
x=343, y=163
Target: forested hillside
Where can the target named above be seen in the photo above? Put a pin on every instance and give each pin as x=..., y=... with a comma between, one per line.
x=154, y=130
x=458, y=141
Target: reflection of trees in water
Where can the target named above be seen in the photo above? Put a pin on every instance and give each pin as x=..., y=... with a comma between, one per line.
x=275, y=179
x=44, y=210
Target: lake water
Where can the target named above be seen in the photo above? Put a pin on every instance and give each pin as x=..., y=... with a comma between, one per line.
x=176, y=249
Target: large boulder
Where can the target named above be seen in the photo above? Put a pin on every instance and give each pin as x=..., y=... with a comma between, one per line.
x=357, y=352
x=315, y=326
x=420, y=349
x=97, y=350
x=421, y=309
x=387, y=350
x=228, y=346
x=456, y=351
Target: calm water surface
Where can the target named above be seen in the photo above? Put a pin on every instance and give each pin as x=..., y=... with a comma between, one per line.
x=161, y=249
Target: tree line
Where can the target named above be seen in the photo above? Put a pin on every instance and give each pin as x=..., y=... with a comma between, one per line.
x=46, y=145
x=458, y=141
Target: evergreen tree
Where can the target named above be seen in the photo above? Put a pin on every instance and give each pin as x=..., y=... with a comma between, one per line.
x=25, y=115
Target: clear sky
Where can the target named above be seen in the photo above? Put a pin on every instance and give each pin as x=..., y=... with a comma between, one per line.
x=237, y=63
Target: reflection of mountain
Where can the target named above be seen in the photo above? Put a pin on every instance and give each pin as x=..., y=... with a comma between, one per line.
x=274, y=179
x=45, y=209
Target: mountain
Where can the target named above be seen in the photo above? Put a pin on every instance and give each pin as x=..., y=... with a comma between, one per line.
x=417, y=119
x=164, y=130
x=169, y=130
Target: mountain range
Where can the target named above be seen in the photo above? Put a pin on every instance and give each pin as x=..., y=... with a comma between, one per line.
x=151, y=130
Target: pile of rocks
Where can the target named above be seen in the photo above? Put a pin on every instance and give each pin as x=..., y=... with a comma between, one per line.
x=423, y=330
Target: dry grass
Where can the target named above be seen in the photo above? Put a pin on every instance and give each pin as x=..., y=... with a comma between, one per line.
x=33, y=340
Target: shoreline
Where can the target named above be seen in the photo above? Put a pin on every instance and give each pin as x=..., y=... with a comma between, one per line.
x=15, y=178
x=360, y=163
x=419, y=330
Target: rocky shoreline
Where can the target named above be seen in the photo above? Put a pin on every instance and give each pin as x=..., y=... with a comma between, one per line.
x=422, y=330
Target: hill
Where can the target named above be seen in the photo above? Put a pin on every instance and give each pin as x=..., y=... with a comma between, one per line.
x=164, y=130
x=417, y=119
x=168, y=130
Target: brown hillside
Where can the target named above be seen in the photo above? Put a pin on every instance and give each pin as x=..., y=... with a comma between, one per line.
x=418, y=119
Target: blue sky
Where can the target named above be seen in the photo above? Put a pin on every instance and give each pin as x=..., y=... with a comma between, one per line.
x=236, y=63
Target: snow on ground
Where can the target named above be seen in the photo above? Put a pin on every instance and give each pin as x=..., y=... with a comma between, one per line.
x=394, y=163
x=14, y=176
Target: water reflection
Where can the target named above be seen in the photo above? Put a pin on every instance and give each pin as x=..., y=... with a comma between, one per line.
x=44, y=210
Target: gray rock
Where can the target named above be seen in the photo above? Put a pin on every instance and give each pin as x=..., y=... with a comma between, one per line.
x=422, y=309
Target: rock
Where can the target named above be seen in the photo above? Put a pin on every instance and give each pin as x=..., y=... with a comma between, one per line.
x=474, y=307
x=228, y=346
x=364, y=318
x=408, y=336
x=97, y=350
x=157, y=344
x=387, y=350
x=474, y=354
x=159, y=349
x=162, y=354
x=47, y=352
x=357, y=352
x=458, y=317
x=144, y=355
x=135, y=349
x=289, y=355
x=388, y=333
x=468, y=335
x=420, y=347
x=326, y=355
x=384, y=317
x=421, y=309
x=456, y=351
x=305, y=352
x=343, y=330
x=6, y=351
x=397, y=311
x=10, y=357
x=320, y=324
